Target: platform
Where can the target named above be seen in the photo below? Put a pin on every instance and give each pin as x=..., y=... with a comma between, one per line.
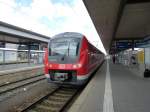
x=11, y=68
x=123, y=91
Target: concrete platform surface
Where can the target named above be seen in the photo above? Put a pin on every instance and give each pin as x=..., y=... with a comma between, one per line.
x=5, y=69
x=15, y=66
x=130, y=92
x=114, y=89
x=91, y=99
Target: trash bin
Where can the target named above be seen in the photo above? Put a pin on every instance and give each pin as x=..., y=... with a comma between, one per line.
x=147, y=73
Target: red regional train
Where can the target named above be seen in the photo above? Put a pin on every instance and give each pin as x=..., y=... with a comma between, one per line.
x=71, y=59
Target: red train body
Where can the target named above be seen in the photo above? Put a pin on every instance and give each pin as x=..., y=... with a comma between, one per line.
x=71, y=59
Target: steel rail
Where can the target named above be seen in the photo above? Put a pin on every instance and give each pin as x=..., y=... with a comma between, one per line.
x=6, y=84
x=55, y=101
x=21, y=85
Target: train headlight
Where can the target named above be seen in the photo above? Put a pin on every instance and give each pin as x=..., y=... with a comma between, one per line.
x=77, y=65
x=50, y=65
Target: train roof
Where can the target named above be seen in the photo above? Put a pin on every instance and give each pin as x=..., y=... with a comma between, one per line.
x=72, y=34
x=68, y=34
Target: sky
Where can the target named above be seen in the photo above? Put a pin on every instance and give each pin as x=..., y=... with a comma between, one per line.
x=50, y=17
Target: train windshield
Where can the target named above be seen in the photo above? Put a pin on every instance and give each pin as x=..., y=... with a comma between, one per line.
x=64, y=47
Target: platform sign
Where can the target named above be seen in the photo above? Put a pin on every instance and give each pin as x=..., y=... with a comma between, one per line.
x=139, y=45
x=34, y=47
x=147, y=39
x=22, y=47
x=25, y=47
x=142, y=45
x=123, y=45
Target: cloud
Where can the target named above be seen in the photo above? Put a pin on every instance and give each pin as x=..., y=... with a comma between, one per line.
x=50, y=17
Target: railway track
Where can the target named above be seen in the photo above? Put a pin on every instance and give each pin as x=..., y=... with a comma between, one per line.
x=23, y=79
x=7, y=88
x=55, y=101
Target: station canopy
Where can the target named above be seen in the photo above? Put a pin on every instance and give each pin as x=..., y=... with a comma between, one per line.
x=12, y=34
x=117, y=20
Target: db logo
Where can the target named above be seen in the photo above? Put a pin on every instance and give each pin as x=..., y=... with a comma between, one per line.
x=61, y=66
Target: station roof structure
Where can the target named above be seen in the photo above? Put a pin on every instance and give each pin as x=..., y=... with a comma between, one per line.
x=119, y=19
x=13, y=34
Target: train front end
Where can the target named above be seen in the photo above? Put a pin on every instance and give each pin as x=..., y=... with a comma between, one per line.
x=65, y=60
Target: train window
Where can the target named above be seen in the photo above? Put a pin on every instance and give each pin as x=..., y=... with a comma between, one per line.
x=73, y=48
x=67, y=47
x=59, y=48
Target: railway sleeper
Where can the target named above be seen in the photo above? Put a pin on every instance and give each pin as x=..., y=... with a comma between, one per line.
x=67, y=89
x=62, y=95
x=18, y=84
x=65, y=92
x=55, y=98
x=32, y=111
x=43, y=108
x=52, y=103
